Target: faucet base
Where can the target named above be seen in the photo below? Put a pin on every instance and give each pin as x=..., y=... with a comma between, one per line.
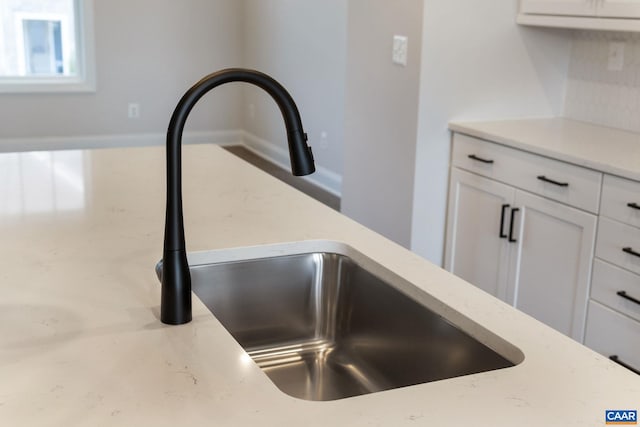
x=175, y=306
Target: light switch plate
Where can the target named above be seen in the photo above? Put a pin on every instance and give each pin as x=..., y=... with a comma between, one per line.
x=400, y=48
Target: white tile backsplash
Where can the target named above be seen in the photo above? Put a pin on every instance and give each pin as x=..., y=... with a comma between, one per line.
x=596, y=94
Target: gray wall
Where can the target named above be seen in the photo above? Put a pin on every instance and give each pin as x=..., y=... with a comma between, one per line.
x=301, y=43
x=477, y=64
x=381, y=116
x=148, y=51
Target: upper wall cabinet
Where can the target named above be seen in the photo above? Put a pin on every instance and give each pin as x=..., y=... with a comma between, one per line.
x=619, y=8
x=614, y=15
x=559, y=7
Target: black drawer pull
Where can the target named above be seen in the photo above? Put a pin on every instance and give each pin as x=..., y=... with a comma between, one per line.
x=626, y=296
x=621, y=363
x=513, y=215
x=504, y=209
x=634, y=206
x=551, y=181
x=480, y=159
x=630, y=251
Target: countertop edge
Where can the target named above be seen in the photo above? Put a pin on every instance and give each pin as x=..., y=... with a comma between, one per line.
x=562, y=139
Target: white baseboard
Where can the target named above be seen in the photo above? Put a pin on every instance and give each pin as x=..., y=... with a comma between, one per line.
x=323, y=177
x=226, y=137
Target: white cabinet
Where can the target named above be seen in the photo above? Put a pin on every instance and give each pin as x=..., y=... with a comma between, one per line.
x=559, y=7
x=614, y=15
x=550, y=265
x=613, y=321
x=614, y=335
x=476, y=248
x=599, y=8
x=511, y=230
x=619, y=9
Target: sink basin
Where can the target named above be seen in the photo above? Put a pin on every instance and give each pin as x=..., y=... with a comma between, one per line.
x=324, y=327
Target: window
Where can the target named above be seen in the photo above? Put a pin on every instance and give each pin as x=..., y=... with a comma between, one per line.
x=45, y=46
x=42, y=48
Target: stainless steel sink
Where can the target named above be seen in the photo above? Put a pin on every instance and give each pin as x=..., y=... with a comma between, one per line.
x=323, y=328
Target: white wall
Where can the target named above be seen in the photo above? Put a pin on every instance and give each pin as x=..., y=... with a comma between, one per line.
x=302, y=44
x=476, y=64
x=150, y=52
x=381, y=116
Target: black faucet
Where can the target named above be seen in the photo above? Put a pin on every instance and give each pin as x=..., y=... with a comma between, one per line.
x=175, y=306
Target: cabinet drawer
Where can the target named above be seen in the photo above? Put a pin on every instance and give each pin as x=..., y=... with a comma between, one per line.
x=608, y=280
x=619, y=244
x=556, y=180
x=621, y=200
x=610, y=333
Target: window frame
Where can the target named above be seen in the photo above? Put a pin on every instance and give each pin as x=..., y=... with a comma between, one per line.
x=84, y=81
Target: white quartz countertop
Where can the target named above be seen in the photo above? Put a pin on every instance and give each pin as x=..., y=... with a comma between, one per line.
x=81, y=343
x=605, y=149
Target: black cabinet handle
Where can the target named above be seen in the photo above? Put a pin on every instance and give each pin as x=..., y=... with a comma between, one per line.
x=513, y=215
x=634, y=206
x=630, y=251
x=626, y=296
x=621, y=363
x=480, y=159
x=504, y=210
x=551, y=181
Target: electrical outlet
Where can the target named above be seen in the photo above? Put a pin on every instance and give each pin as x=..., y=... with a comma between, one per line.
x=324, y=140
x=616, y=56
x=400, y=50
x=134, y=110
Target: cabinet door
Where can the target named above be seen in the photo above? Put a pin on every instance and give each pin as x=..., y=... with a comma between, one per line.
x=474, y=249
x=619, y=9
x=559, y=7
x=550, y=266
